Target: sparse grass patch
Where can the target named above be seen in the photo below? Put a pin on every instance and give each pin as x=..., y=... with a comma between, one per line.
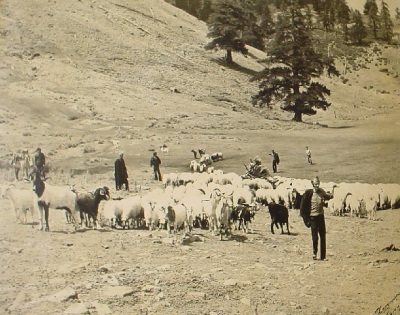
x=88, y=149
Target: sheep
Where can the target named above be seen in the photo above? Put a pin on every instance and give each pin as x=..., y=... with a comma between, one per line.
x=22, y=202
x=353, y=205
x=164, y=149
x=206, y=159
x=177, y=215
x=112, y=212
x=197, y=167
x=132, y=209
x=170, y=179
x=89, y=204
x=56, y=197
x=151, y=203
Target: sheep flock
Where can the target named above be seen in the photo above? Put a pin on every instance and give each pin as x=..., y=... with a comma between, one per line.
x=189, y=200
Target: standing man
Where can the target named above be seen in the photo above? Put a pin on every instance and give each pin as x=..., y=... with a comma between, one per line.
x=155, y=163
x=312, y=211
x=121, y=173
x=39, y=161
x=275, y=161
x=308, y=153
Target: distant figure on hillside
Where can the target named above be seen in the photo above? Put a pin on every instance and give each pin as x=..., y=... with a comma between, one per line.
x=39, y=161
x=121, y=173
x=308, y=153
x=16, y=163
x=275, y=161
x=155, y=163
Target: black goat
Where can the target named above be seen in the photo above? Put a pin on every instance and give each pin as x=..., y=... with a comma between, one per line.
x=88, y=204
x=243, y=213
x=279, y=214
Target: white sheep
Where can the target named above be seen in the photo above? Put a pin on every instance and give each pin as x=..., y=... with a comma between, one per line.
x=22, y=202
x=47, y=196
x=132, y=210
x=164, y=149
x=111, y=212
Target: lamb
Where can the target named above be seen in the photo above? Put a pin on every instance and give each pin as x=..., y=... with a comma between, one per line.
x=89, y=204
x=279, y=214
x=56, y=197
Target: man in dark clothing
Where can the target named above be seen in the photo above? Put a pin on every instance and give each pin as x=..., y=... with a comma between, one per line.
x=275, y=161
x=121, y=173
x=39, y=161
x=155, y=163
x=312, y=211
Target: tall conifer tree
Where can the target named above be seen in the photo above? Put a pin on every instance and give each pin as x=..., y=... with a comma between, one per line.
x=226, y=26
x=386, y=30
x=294, y=63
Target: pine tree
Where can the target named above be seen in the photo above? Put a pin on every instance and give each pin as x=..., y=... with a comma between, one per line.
x=226, y=26
x=328, y=15
x=386, y=22
x=373, y=17
x=359, y=31
x=343, y=17
x=294, y=64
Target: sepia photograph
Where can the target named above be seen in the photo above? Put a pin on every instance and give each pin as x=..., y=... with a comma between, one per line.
x=200, y=157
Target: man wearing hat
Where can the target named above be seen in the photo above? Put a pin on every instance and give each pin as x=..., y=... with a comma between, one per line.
x=121, y=173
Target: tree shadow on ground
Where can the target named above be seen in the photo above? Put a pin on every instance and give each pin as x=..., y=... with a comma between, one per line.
x=235, y=66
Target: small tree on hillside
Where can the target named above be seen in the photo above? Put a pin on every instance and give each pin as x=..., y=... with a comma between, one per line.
x=293, y=65
x=343, y=17
x=226, y=26
x=373, y=16
x=397, y=17
x=328, y=15
x=386, y=30
x=358, y=31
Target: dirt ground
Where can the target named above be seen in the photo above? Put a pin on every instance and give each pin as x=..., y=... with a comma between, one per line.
x=146, y=272
x=88, y=80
